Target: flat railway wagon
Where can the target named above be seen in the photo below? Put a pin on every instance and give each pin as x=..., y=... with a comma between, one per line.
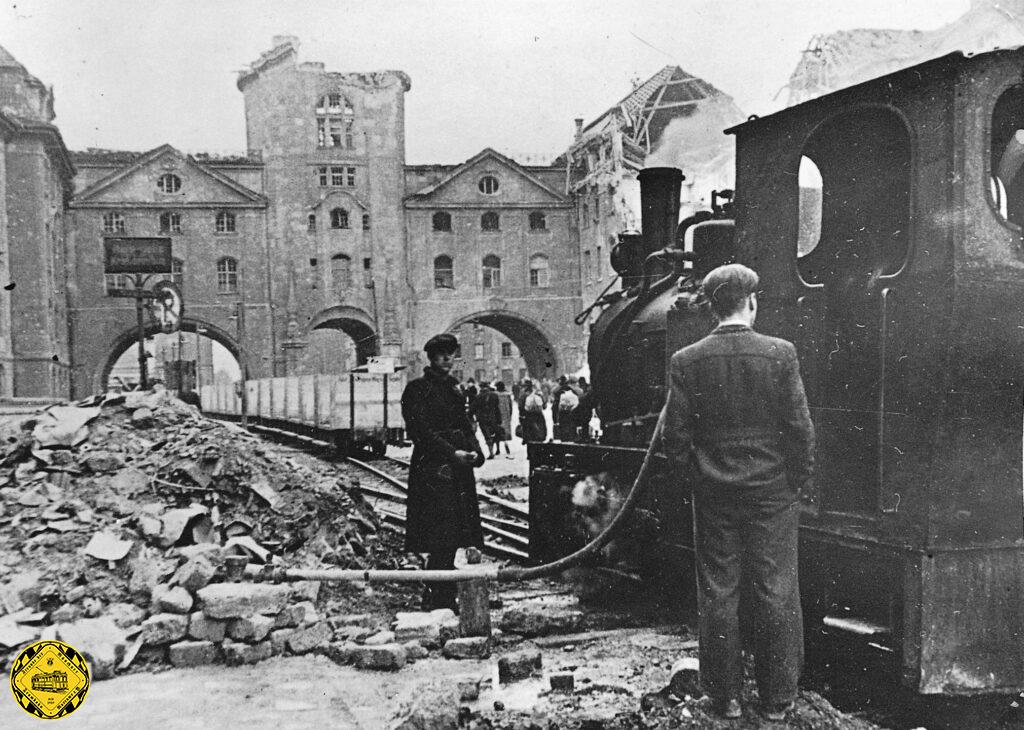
x=885, y=221
x=357, y=410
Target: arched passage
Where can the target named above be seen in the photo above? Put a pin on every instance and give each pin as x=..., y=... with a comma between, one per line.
x=530, y=339
x=355, y=323
x=128, y=340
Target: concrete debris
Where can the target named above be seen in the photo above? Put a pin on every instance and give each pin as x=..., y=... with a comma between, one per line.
x=382, y=637
x=469, y=647
x=540, y=620
x=204, y=628
x=250, y=628
x=240, y=653
x=163, y=628
x=518, y=665
x=238, y=600
x=306, y=640
x=386, y=657
x=107, y=546
x=63, y=426
x=101, y=641
x=170, y=599
x=192, y=653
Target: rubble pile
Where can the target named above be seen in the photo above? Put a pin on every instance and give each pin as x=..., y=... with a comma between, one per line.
x=124, y=520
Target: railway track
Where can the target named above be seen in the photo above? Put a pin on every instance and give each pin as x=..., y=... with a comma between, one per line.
x=503, y=538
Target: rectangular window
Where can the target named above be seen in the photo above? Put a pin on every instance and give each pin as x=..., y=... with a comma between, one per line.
x=478, y=351
x=350, y=176
x=334, y=134
x=324, y=180
x=506, y=349
x=337, y=177
x=116, y=281
x=587, y=274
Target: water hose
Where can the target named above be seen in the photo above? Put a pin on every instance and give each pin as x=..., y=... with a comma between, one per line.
x=476, y=572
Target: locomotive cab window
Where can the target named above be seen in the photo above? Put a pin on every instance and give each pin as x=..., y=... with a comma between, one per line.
x=809, y=206
x=1007, y=155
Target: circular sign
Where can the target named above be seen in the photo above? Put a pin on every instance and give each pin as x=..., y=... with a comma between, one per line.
x=169, y=305
x=49, y=679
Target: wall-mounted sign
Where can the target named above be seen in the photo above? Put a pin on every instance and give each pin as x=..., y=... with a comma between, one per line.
x=137, y=255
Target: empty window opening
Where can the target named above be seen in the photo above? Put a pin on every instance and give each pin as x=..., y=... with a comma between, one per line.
x=490, y=221
x=311, y=223
x=113, y=223
x=227, y=275
x=444, y=273
x=341, y=274
x=506, y=349
x=178, y=272
x=478, y=353
x=538, y=221
x=539, y=271
x=441, y=221
x=366, y=221
x=488, y=185
x=492, y=271
x=168, y=183
x=339, y=218
x=1007, y=155
x=225, y=222
x=170, y=222
x=335, y=119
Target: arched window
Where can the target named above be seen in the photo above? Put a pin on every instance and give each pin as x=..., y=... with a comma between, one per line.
x=341, y=274
x=113, y=223
x=366, y=221
x=227, y=275
x=492, y=271
x=170, y=222
x=538, y=221
x=311, y=223
x=335, y=119
x=178, y=272
x=539, y=271
x=488, y=185
x=225, y=222
x=489, y=221
x=441, y=221
x=168, y=183
x=444, y=273
x=339, y=218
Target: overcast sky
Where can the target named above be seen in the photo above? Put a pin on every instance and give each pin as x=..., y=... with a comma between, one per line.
x=134, y=74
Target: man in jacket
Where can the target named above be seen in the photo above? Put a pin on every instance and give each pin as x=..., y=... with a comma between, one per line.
x=736, y=422
x=442, y=513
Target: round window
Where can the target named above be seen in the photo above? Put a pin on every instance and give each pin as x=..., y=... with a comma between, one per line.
x=488, y=185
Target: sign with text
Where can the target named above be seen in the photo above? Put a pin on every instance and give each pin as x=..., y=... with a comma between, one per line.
x=137, y=255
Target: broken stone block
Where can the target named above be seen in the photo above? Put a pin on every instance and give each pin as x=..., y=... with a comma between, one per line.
x=289, y=618
x=237, y=600
x=129, y=481
x=204, y=628
x=415, y=650
x=518, y=665
x=470, y=647
x=423, y=625
x=469, y=691
x=387, y=657
x=125, y=614
x=310, y=638
x=146, y=571
x=99, y=639
x=381, y=637
x=211, y=551
x=684, y=677
x=350, y=619
x=562, y=682
x=192, y=653
x=142, y=417
x=163, y=628
x=357, y=634
x=240, y=653
x=23, y=590
x=99, y=462
x=279, y=640
x=171, y=600
x=306, y=613
x=195, y=573
x=92, y=607
x=250, y=628
x=66, y=614
x=540, y=621
x=341, y=652
x=306, y=590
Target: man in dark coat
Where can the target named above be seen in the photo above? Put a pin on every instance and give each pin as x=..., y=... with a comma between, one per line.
x=442, y=513
x=487, y=413
x=737, y=423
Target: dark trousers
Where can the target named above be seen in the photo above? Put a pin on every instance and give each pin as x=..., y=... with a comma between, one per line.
x=440, y=595
x=749, y=545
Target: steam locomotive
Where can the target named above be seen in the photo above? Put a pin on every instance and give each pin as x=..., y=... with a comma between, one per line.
x=885, y=221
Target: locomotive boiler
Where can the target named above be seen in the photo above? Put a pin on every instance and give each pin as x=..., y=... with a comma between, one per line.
x=885, y=221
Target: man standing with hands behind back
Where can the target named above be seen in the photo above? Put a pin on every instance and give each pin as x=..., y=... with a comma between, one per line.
x=736, y=423
x=442, y=513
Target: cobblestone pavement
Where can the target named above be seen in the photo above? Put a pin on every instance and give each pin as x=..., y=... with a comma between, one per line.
x=283, y=693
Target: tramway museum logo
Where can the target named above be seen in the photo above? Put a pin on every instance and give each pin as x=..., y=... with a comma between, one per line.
x=50, y=679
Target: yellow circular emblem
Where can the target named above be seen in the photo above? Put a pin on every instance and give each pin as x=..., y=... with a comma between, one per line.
x=50, y=679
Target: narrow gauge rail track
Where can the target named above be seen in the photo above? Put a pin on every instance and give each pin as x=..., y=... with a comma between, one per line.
x=510, y=532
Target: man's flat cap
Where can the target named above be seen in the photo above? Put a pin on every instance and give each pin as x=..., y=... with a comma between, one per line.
x=445, y=343
x=729, y=283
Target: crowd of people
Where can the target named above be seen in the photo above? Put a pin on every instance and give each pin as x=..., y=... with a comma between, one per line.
x=490, y=407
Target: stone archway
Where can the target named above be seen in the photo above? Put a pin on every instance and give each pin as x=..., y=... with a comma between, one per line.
x=533, y=341
x=129, y=338
x=355, y=323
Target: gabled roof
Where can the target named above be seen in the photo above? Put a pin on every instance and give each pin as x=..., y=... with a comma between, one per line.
x=9, y=61
x=147, y=158
x=483, y=154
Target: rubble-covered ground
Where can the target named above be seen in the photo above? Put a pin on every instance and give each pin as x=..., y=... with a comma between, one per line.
x=124, y=525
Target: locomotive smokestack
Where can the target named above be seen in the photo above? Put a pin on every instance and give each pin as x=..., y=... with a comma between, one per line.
x=659, y=204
